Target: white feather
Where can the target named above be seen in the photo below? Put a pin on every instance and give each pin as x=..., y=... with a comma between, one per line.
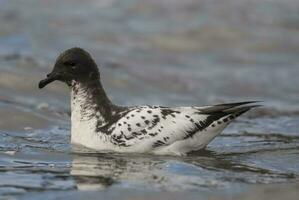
x=82, y=125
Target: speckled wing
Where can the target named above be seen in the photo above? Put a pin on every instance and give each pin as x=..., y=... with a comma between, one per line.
x=154, y=126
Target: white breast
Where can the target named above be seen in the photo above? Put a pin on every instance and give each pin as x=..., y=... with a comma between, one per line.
x=84, y=120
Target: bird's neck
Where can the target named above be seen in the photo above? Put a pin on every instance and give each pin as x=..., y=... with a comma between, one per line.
x=89, y=101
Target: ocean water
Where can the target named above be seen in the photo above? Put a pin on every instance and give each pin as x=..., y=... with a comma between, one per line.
x=162, y=52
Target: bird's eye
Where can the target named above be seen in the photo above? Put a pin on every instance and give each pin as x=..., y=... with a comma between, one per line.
x=70, y=63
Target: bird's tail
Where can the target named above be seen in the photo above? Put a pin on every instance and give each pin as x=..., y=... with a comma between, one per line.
x=219, y=116
x=234, y=109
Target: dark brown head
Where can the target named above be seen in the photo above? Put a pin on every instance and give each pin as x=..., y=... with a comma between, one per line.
x=74, y=64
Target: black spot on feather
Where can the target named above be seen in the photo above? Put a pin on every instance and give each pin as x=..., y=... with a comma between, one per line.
x=165, y=139
x=166, y=112
x=158, y=143
x=153, y=134
x=136, y=134
x=204, y=124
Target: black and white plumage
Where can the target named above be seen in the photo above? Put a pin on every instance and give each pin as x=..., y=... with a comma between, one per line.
x=99, y=124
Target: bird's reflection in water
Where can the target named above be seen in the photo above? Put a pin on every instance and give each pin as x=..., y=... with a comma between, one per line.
x=204, y=169
x=97, y=171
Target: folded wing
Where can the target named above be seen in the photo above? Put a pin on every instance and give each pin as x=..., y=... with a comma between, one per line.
x=150, y=127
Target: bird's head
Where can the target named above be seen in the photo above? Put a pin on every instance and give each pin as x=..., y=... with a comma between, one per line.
x=74, y=64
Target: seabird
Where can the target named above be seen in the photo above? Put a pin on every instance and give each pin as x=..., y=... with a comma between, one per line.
x=99, y=124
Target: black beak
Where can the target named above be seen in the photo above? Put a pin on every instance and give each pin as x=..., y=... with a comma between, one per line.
x=50, y=78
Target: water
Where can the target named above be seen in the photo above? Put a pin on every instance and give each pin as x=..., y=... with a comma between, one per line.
x=167, y=52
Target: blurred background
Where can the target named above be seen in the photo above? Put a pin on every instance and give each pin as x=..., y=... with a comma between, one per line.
x=168, y=52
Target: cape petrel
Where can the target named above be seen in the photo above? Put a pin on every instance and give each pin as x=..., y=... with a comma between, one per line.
x=99, y=124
